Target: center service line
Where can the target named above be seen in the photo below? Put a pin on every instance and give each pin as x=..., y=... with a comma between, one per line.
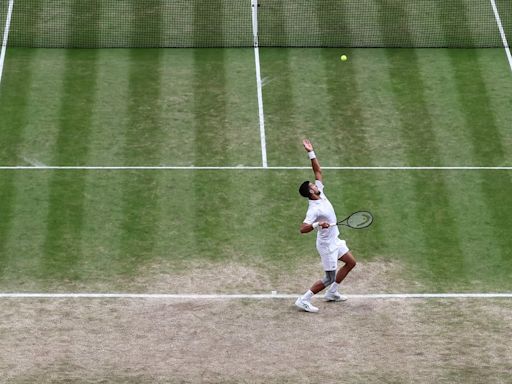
x=254, y=6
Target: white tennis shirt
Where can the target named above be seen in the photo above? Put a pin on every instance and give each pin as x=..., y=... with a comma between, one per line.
x=322, y=210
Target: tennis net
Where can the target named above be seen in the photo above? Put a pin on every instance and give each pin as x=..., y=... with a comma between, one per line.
x=282, y=23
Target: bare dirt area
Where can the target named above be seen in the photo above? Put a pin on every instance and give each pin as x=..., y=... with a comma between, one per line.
x=381, y=275
x=255, y=341
x=227, y=277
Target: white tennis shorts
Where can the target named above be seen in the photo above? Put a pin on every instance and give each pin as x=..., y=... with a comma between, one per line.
x=331, y=253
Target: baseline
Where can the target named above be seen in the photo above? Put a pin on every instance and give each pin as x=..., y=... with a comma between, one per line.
x=165, y=167
x=158, y=296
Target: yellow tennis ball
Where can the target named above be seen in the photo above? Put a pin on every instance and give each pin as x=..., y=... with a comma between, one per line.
x=343, y=58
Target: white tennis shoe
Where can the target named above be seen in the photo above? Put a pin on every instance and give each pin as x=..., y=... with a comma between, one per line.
x=305, y=305
x=334, y=296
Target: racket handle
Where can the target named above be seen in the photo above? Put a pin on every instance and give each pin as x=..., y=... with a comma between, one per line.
x=332, y=224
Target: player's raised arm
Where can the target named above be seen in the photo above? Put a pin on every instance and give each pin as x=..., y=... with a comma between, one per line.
x=314, y=161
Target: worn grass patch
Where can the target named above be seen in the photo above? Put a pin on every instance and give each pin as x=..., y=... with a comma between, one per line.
x=268, y=341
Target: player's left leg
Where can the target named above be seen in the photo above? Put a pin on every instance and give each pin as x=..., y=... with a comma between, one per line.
x=332, y=293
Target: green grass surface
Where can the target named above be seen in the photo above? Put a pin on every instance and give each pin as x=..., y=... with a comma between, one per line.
x=236, y=230
x=449, y=227
x=130, y=107
x=198, y=107
x=426, y=107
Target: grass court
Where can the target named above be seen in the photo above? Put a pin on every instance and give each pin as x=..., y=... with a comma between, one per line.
x=186, y=229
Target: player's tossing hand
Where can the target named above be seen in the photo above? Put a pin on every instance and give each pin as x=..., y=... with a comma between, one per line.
x=307, y=145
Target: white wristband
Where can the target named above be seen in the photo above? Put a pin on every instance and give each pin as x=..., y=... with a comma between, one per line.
x=311, y=155
x=315, y=225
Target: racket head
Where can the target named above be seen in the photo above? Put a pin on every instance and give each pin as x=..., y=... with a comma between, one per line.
x=359, y=220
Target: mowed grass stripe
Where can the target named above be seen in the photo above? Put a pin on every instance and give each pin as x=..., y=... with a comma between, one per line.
x=44, y=109
x=345, y=110
x=306, y=112
x=415, y=126
x=110, y=109
x=103, y=212
x=14, y=106
x=208, y=97
x=11, y=135
x=480, y=121
x=23, y=201
x=32, y=122
x=379, y=118
x=279, y=102
x=176, y=106
x=24, y=247
x=210, y=112
x=217, y=134
x=209, y=84
x=143, y=136
x=250, y=220
x=142, y=144
x=311, y=114
x=474, y=204
x=241, y=105
x=212, y=199
x=66, y=199
x=278, y=97
x=414, y=123
x=62, y=249
x=100, y=238
x=450, y=134
x=455, y=144
x=486, y=138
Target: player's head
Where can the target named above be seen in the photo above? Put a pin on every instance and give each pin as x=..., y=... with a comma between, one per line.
x=308, y=188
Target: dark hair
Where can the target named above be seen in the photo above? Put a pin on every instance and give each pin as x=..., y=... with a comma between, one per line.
x=304, y=189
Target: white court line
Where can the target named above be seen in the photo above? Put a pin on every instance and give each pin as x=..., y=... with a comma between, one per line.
x=502, y=32
x=6, y=37
x=254, y=6
x=157, y=296
x=245, y=168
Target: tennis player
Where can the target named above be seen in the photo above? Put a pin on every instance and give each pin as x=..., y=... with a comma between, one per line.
x=331, y=249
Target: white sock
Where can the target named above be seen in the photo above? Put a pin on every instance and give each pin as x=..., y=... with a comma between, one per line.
x=333, y=288
x=308, y=295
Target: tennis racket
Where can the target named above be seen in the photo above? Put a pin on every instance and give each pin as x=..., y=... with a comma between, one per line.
x=357, y=220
